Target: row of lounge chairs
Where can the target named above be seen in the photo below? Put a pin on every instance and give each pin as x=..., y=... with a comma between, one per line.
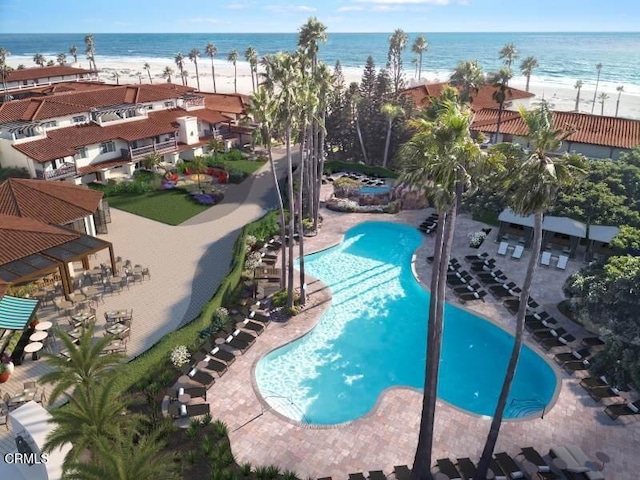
x=460, y=282
x=430, y=224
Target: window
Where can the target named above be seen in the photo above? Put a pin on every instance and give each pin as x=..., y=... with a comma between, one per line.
x=107, y=147
x=169, y=104
x=79, y=119
x=149, y=107
x=82, y=152
x=50, y=124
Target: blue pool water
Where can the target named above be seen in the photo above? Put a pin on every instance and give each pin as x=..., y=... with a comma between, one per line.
x=369, y=189
x=373, y=337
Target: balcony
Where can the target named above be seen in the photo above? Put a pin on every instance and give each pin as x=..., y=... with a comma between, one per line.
x=155, y=148
x=67, y=170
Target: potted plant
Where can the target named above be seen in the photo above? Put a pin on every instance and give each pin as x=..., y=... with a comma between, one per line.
x=476, y=239
x=6, y=368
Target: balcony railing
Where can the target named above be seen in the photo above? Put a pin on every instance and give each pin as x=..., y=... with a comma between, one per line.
x=160, y=147
x=67, y=170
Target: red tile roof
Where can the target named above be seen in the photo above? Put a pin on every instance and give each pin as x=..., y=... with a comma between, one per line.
x=589, y=129
x=21, y=237
x=48, y=202
x=43, y=72
x=96, y=167
x=226, y=102
x=481, y=99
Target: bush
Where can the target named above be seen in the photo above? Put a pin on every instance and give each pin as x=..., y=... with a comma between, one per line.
x=345, y=187
x=279, y=299
x=234, y=155
x=13, y=172
x=236, y=176
x=335, y=166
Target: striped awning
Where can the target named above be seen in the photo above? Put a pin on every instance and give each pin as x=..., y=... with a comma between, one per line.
x=16, y=312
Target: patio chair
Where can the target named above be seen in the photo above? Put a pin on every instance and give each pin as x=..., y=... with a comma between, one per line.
x=4, y=420
x=236, y=343
x=540, y=316
x=513, y=305
x=562, y=341
x=622, y=409
x=259, y=317
x=357, y=476
x=194, y=392
x=572, y=356
x=543, y=335
x=216, y=366
x=447, y=467
x=498, y=472
x=472, y=296
x=468, y=288
x=598, y=393
x=482, y=267
x=517, y=252
x=509, y=465
x=539, y=325
x=576, y=366
x=218, y=354
x=594, y=382
x=562, y=262
x=592, y=342
x=377, y=475
x=244, y=336
x=456, y=281
x=255, y=327
x=402, y=472
x=545, y=258
x=502, y=249
x=178, y=411
x=467, y=468
x=198, y=376
x=29, y=385
x=531, y=455
x=146, y=273
x=476, y=257
x=505, y=290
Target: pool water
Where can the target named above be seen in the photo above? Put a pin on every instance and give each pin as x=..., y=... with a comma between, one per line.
x=373, y=336
x=373, y=190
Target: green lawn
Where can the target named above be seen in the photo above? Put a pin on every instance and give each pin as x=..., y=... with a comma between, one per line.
x=245, y=166
x=167, y=206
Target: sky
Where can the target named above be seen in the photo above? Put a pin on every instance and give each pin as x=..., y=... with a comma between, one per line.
x=253, y=16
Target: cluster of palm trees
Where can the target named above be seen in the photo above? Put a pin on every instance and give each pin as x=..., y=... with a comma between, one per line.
x=603, y=97
x=443, y=160
x=106, y=440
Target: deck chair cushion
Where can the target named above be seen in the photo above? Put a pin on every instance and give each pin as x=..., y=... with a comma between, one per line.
x=633, y=408
x=183, y=410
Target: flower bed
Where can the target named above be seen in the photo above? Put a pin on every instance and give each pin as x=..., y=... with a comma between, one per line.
x=212, y=198
x=349, y=206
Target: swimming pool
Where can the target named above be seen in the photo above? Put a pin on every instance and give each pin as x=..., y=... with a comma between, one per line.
x=373, y=337
x=374, y=190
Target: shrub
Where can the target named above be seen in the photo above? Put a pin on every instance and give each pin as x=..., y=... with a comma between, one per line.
x=220, y=315
x=236, y=176
x=345, y=187
x=343, y=205
x=245, y=469
x=220, y=428
x=279, y=299
x=180, y=356
x=13, y=172
x=252, y=261
x=335, y=166
x=234, y=155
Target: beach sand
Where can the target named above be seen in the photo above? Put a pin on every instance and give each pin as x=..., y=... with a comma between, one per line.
x=560, y=97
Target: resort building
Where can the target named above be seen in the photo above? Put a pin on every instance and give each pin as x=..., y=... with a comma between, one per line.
x=27, y=78
x=104, y=132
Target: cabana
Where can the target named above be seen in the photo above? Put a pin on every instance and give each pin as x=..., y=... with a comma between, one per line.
x=600, y=237
x=515, y=226
x=563, y=233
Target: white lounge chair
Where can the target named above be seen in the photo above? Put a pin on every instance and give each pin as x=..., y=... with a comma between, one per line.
x=502, y=249
x=517, y=252
x=562, y=262
x=545, y=259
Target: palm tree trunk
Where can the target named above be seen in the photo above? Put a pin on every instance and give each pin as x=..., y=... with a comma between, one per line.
x=387, y=143
x=290, y=272
x=364, y=151
x=420, y=67
x=213, y=75
x=499, y=122
x=253, y=83
x=319, y=173
x=595, y=93
x=303, y=285
x=235, y=78
x=197, y=74
x=528, y=79
x=577, y=109
x=496, y=422
x=617, y=105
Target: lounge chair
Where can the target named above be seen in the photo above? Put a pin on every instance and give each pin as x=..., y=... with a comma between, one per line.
x=377, y=475
x=472, y=296
x=598, y=393
x=592, y=342
x=482, y=267
x=467, y=468
x=545, y=258
x=594, y=382
x=218, y=354
x=178, y=411
x=468, y=288
x=198, y=376
x=259, y=317
x=246, y=337
x=517, y=252
x=576, y=462
x=540, y=316
x=498, y=472
x=576, y=366
x=216, y=366
x=492, y=274
x=458, y=280
x=502, y=249
x=357, y=476
x=487, y=263
x=509, y=465
x=621, y=409
x=513, y=305
x=562, y=341
x=531, y=455
x=402, y=472
x=447, y=467
x=476, y=257
x=547, y=334
x=255, y=327
x=562, y=262
x=236, y=343
x=505, y=290
x=572, y=356
x=537, y=325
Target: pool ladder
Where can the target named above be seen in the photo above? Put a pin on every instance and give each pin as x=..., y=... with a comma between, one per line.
x=521, y=407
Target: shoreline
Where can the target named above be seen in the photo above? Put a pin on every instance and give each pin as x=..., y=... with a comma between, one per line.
x=560, y=94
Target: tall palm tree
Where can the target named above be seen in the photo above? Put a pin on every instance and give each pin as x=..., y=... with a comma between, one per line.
x=90, y=50
x=4, y=70
x=147, y=68
x=420, y=45
x=468, y=77
x=619, y=89
x=527, y=67
x=602, y=97
x=211, y=50
x=392, y=112
x=151, y=161
x=198, y=165
x=139, y=75
x=179, y=60
x=61, y=59
x=354, y=99
x=595, y=92
x=233, y=58
x=167, y=72
x=185, y=77
x=86, y=365
x=414, y=62
x=509, y=53
x=500, y=81
x=73, y=51
x=194, y=54
x=397, y=43
x=251, y=56
x=39, y=59
x=534, y=186
x=116, y=76
x=311, y=34
x=578, y=86
x=439, y=159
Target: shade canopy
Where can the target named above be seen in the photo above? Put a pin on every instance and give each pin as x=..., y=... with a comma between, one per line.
x=508, y=216
x=16, y=312
x=602, y=233
x=565, y=226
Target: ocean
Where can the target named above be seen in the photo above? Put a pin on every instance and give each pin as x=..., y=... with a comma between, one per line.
x=563, y=57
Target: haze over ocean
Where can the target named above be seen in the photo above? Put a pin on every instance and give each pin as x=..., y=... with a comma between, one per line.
x=563, y=57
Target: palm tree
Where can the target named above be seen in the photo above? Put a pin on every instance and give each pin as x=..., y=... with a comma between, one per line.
x=185, y=78
x=90, y=50
x=152, y=161
x=509, y=54
x=127, y=457
x=4, y=69
x=527, y=67
x=500, y=81
x=468, y=77
x=311, y=34
x=211, y=50
x=194, y=54
x=602, y=97
x=579, y=84
x=179, y=59
x=354, y=99
x=439, y=159
x=139, y=75
x=147, y=68
x=61, y=58
x=619, y=89
x=420, y=45
x=392, y=112
x=595, y=92
x=39, y=59
x=116, y=76
x=167, y=72
x=214, y=145
x=534, y=185
x=73, y=51
x=199, y=167
x=86, y=365
x=397, y=43
x=414, y=62
x=233, y=58
x=251, y=56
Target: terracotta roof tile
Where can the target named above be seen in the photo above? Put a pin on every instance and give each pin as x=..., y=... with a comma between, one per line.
x=49, y=202
x=225, y=103
x=44, y=72
x=96, y=167
x=20, y=237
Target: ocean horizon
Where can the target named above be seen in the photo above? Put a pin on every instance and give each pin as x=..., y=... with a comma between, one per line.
x=564, y=57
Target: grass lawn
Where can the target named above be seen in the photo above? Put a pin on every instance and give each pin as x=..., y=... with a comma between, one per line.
x=245, y=166
x=167, y=206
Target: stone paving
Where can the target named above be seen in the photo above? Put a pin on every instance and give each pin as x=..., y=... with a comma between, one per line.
x=387, y=436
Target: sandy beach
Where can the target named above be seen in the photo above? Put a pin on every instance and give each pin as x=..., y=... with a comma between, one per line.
x=560, y=96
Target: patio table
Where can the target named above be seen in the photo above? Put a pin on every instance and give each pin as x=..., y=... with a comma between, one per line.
x=33, y=348
x=75, y=333
x=117, y=329
x=83, y=317
x=184, y=398
x=78, y=297
x=138, y=270
x=118, y=314
x=42, y=326
x=89, y=291
x=26, y=395
x=38, y=336
x=114, y=346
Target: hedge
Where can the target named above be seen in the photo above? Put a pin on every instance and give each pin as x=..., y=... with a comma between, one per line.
x=335, y=166
x=152, y=361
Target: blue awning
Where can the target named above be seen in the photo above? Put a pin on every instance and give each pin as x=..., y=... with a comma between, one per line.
x=16, y=312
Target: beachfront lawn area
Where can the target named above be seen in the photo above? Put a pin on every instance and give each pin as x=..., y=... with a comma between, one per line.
x=167, y=206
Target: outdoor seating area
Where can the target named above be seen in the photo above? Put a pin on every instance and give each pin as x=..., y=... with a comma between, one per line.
x=30, y=392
